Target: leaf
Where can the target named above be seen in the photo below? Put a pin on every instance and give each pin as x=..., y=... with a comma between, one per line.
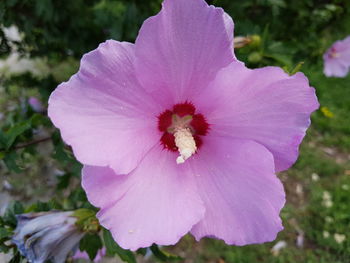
x=142, y=251
x=10, y=161
x=4, y=248
x=3, y=140
x=91, y=243
x=163, y=255
x=43, y=206
x=82, y=214
x=4, y=233
x=15, y=131
x=15, y=208
x=63, y=181
x=39, y=119
x=16, y=258
x=296, y=68
x=61, y=153
x=113, y=248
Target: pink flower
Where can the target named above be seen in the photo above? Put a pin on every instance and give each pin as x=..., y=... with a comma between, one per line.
x=83, y=255
x=337, y=59
x=177, y=136
x=36, y=104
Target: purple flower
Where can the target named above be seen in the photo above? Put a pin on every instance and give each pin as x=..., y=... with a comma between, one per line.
x=46, y=236
x=176, y=136
x=337, y=59
x=36, y=104
x=83, y=255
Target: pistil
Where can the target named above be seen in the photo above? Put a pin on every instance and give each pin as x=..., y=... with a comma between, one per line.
x=185, y=143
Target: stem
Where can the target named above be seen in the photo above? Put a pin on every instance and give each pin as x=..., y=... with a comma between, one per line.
x=31, y=143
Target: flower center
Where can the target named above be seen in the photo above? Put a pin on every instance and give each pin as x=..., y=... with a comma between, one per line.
x=182, y=130
x=334, y=53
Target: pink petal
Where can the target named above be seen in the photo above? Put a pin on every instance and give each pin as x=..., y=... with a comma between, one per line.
x=242, y=195
x=334, y=68
x=265, y=105
x=156, y=203
x=181, y=49
x=102, y=111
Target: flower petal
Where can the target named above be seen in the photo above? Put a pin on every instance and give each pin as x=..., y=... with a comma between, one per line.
x=334, y=68
x=242, y=195
x=102, y=111
x=156, y=203
x=265, y=105
x=181, y=49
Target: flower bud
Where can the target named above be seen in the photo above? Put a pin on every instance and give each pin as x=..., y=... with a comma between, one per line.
x=47, y=236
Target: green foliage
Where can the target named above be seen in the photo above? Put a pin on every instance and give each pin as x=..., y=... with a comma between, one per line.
x=15, y=208
x=163, y=256
x=91, y=243
x=4, y=233
x=56, y=28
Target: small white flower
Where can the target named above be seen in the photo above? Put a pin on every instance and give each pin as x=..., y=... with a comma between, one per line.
x=300, y=240
x=326, y=195
x=345, y=187
x=328, y=203
x=339, y=238
x=315, y=177
x=299, y=189
x=275, y=250
x=12, y=34
x=326, y=234
x=329, y=219
x=327, y=199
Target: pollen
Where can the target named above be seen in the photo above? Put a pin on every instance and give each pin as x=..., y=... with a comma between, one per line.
x=185, y=143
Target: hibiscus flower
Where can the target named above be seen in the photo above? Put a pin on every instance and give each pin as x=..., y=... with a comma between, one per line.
x=337, y=59
x=177, y=136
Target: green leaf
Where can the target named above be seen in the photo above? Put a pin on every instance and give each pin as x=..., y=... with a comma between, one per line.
x=91, y=243
x=16, y=258
x=39, y=119
x=43, y=206
x=10, y=161
x=3, y=140
x=15, y=131
x=4, y=233
x=113, y=248
x=82, y=214
x=296, y=68
x=163, y=255
x=15, y=208
x=63, y=181
x=142, y=251
x=4, y=248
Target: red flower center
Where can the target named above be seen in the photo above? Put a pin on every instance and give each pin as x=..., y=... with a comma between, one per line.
x=334, y=53
x=181, y=116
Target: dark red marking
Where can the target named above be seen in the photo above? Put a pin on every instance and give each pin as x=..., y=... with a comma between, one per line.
x=184, y=109
x=199, y=125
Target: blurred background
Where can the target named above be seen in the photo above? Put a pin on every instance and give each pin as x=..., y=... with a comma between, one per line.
x=41, y=43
